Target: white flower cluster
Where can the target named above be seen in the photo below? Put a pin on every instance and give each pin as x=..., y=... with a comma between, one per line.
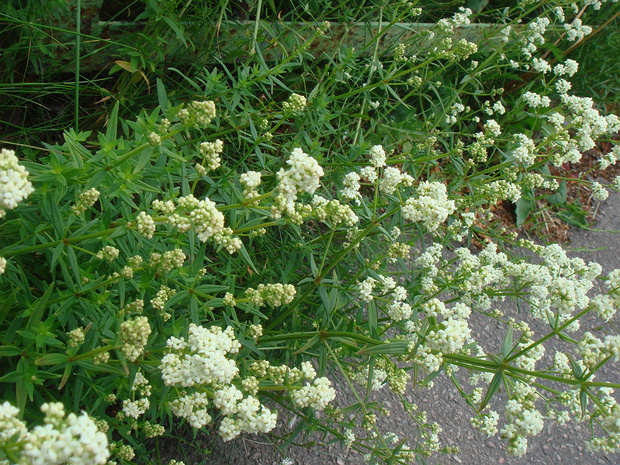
x=594, y=351
x=134, y=409
x=192, y=407
x=271, y=294
x=431, y=206
x=211, y=151
x=225, y=238
x=76, y=337
x=608, y=416
x=332, y=212
x=524, y=152
x=541, y=65
x=2, y=265
x=316, y=395
x=576, y=30
x=534, y=100
x=200, y=215
x=392, y=178
x=492, y=129
x=398, y=250
x=501, y=190
x=428, y=260
x=524, y=419
x=61, y=439
x=610, y=158
x=250, y=180
x=569, y=67
x=303, y=175
x=444, y=337
x=169, y=260
x=247, y=415
x=377, y=156
x=598, y=191
x=460, y=19
x=134, y=335
x=14, y=184
x=87, y=200
x=453, y=332
x=456, y=109
x=154, y=139
x=486, y=423
x=108, y=253
x=160, y=299
x=396, y=307
x=10, y=424
x=534, y=35
x=141, y=385
x=198, y=114
x=365, y=289
x=146, y=225
x=351, y=189
x=296, y=104
x=588, y=123
x=379, y=376
x=202, y=360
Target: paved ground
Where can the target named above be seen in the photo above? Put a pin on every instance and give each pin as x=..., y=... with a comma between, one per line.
x=558, y=445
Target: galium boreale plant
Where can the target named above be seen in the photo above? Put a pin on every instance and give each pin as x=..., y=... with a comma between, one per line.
x=220, y=261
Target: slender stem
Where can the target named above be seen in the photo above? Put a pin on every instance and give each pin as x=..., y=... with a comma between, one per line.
x=323, y=335
x=34, y=248
x=361, y=402
x=335, y=261
x=91, y=353
x=548, y=336
x=78, y=43
x=258, y=9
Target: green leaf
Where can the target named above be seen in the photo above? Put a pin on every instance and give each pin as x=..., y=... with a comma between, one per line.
x=58, y=250
x=12, y=377
x=65, y=376
x=162, y=96
x=177, y=28
x=10, y=351
x=583, y=400
x=77, y=151
x=51, y=359
x=246, y=257
x=350, y=408
x=74, y=264
x=493, y=388
x=525, y=206
x=395, y=348
x=577, y=370
x=143, y=159
x=372, y=319
x=574, y=215
x=507, y=345
x=7, y=304
x=559, y=198
x=111, y=131
x=39, y=308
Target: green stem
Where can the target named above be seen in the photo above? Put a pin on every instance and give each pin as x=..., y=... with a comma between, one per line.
x=352, y=388
x=78, y=27
x=91, y=353
x=255, y=35
x=335, y=261
x=253, y=228
x=548, y=336
x=67, y=241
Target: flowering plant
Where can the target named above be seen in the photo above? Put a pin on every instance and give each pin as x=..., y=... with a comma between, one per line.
x=220, y=261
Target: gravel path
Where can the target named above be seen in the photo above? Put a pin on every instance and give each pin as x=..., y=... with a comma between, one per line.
x=557, y=445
